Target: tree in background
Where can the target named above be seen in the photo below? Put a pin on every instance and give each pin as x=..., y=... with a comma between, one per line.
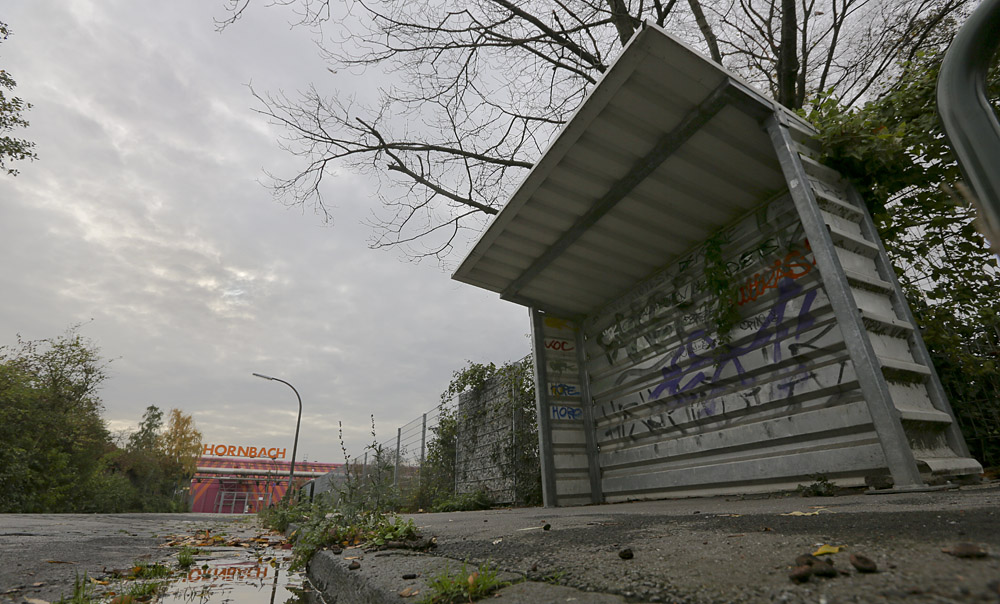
x=56, y=454
x=11, y=110
x=181, y=444
x=52, y=436
x=477, y=90
x=894, y=150
x=160, y=463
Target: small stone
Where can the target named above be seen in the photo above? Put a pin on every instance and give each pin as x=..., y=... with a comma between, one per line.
x=626, y=554
x=800, y=574
x=806, y=560
x=546, y=526
x=966, y=550
x=824, y=568
x=336, y=550
x=409, y=576
x=354, y=565
x=863, y=564
x=534, y=567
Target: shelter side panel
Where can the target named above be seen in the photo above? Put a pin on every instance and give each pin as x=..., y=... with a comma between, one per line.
x=565, y=400
x=690, y=397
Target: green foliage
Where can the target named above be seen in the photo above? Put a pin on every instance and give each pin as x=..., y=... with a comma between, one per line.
x=465, y=502
x=473, y=377
x=719, y=282
x=144, y=570
x=437, y=476
x=11, y=109
x=820, y=487
x=185, y=557
x=895, y=152
x=81, y=592
x=462, y=586
x=54, y=439
x=327, y=525
x=284, y=513
x=518, y=455
x=146, y=590
x=56, y=454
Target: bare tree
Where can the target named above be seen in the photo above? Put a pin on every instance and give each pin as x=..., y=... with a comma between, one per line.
x=478, y=87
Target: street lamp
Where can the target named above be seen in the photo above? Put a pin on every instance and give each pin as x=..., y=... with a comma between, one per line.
x=295, y=444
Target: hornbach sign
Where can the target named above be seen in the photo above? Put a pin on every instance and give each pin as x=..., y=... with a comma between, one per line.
x=234, y=451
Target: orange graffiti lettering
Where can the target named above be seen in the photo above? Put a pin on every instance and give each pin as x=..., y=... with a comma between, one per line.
x=795, y=265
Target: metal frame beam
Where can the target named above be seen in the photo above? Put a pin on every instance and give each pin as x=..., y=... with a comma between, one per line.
x=593, y=457
x=545, y=455
x=885, y=417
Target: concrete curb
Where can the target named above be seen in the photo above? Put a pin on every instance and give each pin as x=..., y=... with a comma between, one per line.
x=379, y=580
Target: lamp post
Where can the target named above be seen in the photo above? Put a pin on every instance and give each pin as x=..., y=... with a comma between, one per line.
x=295, y=444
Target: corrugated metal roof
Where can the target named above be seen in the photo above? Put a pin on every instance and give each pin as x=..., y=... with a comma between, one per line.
x=666, y=149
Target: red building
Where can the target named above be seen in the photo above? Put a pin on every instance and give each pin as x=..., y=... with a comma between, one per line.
x=243, y=480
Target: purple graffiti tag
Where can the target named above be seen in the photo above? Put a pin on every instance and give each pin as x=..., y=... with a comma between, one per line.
x=674, y=374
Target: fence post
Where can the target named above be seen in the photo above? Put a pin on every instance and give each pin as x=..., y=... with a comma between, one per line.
x=423, y=444
x=395, y=472
x=513, y=440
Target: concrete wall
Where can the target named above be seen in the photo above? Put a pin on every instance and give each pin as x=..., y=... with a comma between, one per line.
x=484, y=428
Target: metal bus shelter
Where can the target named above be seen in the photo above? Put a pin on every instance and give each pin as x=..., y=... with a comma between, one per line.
x=672, y=172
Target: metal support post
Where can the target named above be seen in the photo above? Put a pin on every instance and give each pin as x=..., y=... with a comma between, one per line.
x=395, y=472
x=545, y=455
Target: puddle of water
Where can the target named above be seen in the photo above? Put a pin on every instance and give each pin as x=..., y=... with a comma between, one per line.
x=227, y=577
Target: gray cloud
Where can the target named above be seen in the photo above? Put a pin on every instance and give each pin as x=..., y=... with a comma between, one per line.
x=144, y=214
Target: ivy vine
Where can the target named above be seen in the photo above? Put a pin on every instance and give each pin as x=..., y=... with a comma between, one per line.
x=720, y=284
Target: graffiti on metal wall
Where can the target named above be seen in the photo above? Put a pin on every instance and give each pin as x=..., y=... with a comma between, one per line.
x=693, y=385
x=564, y=412
x=565, y=390
x=559, y=345
x=657, y=309
x=561, y=366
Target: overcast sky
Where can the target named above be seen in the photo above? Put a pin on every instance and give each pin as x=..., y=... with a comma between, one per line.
x=143, y=218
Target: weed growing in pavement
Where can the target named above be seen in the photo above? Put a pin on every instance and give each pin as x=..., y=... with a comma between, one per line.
x=820, y=488
x=185, y=557
x=146, y=591
x=81, y=592
x=358, y=514
x=333, y=529
x=143, y=570
x=462, y=586
x=465, y=502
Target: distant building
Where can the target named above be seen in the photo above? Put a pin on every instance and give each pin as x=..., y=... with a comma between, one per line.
x=243, y=480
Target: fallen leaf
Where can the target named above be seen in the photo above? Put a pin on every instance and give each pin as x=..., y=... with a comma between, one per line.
x=828, y=549
x=495, y=542
x=966, y=550
x=98, y=581
x=409, y=592
x=59, y=562
x=816, y=513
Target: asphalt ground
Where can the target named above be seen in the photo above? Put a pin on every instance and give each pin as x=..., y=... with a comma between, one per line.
x=42, y=554
x=701, y=550
x=692, y=550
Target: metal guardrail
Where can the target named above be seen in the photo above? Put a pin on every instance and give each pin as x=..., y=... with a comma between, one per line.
x=969, y=121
